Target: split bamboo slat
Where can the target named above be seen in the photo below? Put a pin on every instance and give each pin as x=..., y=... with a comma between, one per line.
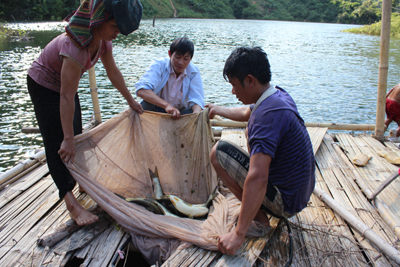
x=23, y=243
x=23, y=219
x=374, y=173
x=11, y=192
x=343, y=189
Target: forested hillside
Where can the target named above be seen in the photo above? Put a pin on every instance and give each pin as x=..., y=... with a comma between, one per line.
x=340, y=11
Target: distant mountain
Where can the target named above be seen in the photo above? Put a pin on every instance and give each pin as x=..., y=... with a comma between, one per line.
x=341, y=11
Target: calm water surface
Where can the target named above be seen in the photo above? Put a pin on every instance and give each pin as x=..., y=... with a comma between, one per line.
x=331, y=75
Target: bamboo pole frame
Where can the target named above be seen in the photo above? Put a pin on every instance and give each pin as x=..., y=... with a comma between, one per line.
x=383, y=68
x=95, y=97
x=332, y=126
x=93, y=92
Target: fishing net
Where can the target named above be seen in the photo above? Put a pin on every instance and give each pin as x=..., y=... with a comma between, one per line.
x=115, y=158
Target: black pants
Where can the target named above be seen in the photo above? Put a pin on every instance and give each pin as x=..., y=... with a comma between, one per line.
x=47, y=109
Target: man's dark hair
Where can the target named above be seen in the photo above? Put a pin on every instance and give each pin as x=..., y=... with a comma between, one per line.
x=181, y=46
x=248, y=60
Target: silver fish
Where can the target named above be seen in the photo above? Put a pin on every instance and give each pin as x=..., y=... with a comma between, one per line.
x=150, y=205
x=178, y=205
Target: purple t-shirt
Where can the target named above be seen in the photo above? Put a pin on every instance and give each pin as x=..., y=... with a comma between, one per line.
x=275, y=128
x=46, y=69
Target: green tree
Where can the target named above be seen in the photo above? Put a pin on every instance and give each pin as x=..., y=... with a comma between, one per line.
x=238, y=6
x=367, y=13
x=252, y=12
x=148, y=10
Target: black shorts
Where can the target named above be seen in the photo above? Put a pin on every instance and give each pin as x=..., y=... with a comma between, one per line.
x=236, y=161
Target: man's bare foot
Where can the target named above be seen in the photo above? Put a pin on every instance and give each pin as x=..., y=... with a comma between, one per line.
x=77, y=212
x=262, y=218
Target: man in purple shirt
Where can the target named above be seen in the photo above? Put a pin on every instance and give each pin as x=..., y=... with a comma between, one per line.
x=277, y=177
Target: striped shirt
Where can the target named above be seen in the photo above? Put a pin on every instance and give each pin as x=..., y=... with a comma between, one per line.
x=276, y=129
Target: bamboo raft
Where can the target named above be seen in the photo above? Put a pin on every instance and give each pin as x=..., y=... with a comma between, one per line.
x=30, y=210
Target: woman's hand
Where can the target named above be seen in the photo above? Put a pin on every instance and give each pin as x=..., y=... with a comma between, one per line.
x=67, y=150
x=136, y=106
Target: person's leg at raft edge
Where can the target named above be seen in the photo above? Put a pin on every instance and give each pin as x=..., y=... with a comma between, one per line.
x=233, y=186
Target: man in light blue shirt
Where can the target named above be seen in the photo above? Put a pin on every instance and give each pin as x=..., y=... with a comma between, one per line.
x=173, y=84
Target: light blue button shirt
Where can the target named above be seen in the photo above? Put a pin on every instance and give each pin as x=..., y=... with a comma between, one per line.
x=156, y=76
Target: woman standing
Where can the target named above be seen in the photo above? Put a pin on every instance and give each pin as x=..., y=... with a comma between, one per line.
x=53, y=81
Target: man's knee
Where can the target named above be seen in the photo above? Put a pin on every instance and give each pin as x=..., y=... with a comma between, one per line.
x=213, y=156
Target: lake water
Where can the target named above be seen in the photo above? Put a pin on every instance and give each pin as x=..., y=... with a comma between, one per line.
x=332, y=75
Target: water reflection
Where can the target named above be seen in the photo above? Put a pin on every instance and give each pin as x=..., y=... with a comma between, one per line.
x=331, y=75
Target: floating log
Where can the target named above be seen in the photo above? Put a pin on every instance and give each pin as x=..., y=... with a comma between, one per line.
x=331, y=126
x=359, y=226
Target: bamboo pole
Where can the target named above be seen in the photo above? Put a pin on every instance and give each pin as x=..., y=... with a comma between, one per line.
x=383, y=68
x=13, y=178
x=359, y=226
x=4, y=177
x=95, y=97
x=332, y=126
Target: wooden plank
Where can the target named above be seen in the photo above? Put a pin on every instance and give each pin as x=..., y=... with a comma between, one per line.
x=26, y=251
x=104, y=247
x=205, y=258
x=116, y=239
x=346, y=192
x=25, y=182
x=316, y=136
x=180, y=256
x=83, y=236
x=320, y=239
x=97, y=252
x=12, y=208
x=64, y=230
x=25, y=216
x=377, y=170
x=236, y=135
